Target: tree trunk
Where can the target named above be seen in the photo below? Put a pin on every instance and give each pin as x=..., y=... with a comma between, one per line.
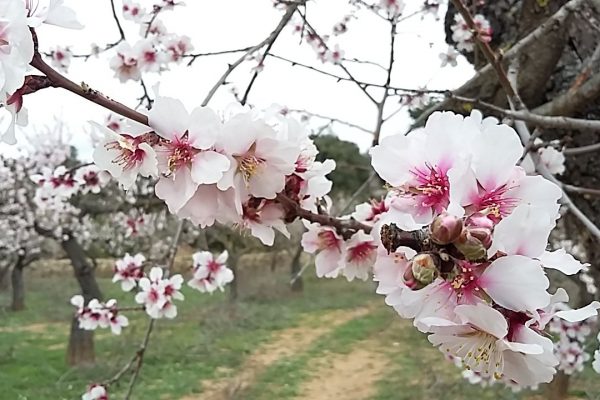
x=232, y=264
x=18, y=286
x=4, y=274
x=559, y=387
x=298, y=284
x=81, y=342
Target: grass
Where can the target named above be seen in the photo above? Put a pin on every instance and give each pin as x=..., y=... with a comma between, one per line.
x=212, y=338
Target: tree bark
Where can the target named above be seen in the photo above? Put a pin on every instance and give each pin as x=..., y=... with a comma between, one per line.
x=81, y=342
x=559, y=387
x=232, y=263
x=18, y=285
x=298, y=284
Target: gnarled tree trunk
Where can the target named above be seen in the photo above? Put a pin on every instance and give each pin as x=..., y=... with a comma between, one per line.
x=298, y=283
x=81, y=342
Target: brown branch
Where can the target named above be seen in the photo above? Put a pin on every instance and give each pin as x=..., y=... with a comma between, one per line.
x=282, y=23
x=332, y=119
x=536, y=119
x=86, y=92
x=381, y=104
x=142, y=350
x=581, y=190
x=575, y=151
x=343, y=226
x=194, y=56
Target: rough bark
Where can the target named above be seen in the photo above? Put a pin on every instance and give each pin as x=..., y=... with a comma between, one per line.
x=558, y=388
x=18, y=285
x=81, y=342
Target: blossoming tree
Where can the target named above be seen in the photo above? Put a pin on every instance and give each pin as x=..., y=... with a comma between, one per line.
x=459, y=242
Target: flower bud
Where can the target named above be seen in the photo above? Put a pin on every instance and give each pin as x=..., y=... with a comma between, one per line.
x=445, y=229
x=484, y=235
x=409, y=279
x=425, y=268
x=470, y=246
x=479, y=220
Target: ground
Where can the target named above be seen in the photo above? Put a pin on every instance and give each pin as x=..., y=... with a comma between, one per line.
x=336, y=341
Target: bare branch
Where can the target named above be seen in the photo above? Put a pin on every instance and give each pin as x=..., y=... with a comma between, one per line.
x=282, y=23
x=575, y=151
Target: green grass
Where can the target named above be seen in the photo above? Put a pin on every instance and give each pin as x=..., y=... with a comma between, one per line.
x=212, y=338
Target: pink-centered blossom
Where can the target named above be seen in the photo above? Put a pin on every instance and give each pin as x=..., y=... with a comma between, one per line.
x=189, y=157
x=210, y=272
x=95, y=392
x=157, y=294
x=129, y=270
x=330, y=249
x=125, y=156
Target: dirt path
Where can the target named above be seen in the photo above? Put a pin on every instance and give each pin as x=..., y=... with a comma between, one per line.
x=345, y=376
x=285, y=343
x=35, y=328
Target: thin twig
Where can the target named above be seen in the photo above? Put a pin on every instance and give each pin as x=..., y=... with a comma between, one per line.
x=381, y=104
x=142, y=350
x=282, y=23
x=575, y=151
x=332, y=119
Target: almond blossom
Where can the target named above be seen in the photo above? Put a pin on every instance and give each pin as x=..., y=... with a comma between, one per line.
x=189, y=157
x=95, y=392
x=157, y=294
x=329, y=247
x=125, y=63
x=360, y=256
x=464, y=37
x=210, y=272
x=129, y=270
x=61, y=58
x=125, y=156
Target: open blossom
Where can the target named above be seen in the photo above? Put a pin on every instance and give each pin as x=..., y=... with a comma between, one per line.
x=361, y=252
x=463, y=36
x=129, y=270
x=149, y=57
x=95, y=392
x=125, y=63
x=553, y=159
x=52, y=12
x=61, y=58
x=450, y=57
x=263, y=218
x=125, y=156
x=189, y=157
x=16, y=47
x=91, y=179
x=99, y=315
x=329, y=247
x=133, y=11
x=157, y=294
x=210, y=272
x=481, y=338
x=177, y=46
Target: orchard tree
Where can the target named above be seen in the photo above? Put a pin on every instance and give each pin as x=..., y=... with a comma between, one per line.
x=459, y=243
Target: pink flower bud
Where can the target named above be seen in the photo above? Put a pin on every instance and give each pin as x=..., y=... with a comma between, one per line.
x=479, y=220
x=484, y=235
x=445, y=229
x=409, y=278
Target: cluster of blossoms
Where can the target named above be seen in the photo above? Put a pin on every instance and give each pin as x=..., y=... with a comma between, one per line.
x=155, y=49
x=465, y=37
x=129, y=270
x=461, y=246
x=325, y=52
x=570, y=343
x=233, y=172
x=99, y=315
x=17, y=50
x=210, y=273
x=157, y=293
x=352, y=256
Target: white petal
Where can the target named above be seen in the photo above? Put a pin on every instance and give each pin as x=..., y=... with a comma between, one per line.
x=205, y=128
x=580, y=314
x=169, y=117
x=208, y=167
x=517, y=283
x=562, y=261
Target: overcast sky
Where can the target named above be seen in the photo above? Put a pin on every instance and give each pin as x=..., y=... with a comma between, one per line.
x=215, y=25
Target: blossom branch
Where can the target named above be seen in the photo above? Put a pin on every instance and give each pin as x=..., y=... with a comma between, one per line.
x=575, y=151
x=381, y=104
x=142, y=350
x=194, y=56
x=343, y=226
x=539, y=120
x=517, y=105
x=60, y=81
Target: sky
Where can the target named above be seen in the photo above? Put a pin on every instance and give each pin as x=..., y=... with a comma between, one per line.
x=215, y=25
